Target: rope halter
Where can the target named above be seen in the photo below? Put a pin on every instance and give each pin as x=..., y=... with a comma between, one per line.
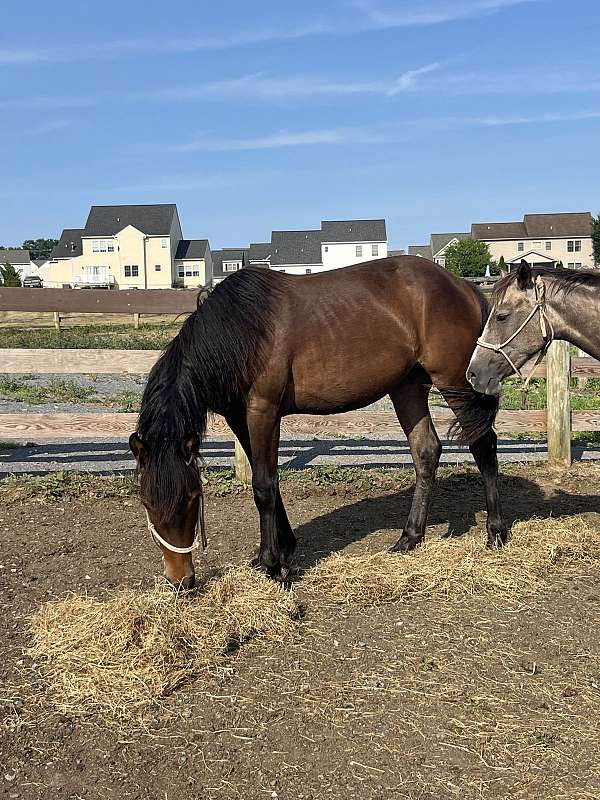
x=199, y=528
x=545, y=326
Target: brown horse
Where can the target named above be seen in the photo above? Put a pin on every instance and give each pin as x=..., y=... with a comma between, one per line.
x=264, y=344
x=532, y=307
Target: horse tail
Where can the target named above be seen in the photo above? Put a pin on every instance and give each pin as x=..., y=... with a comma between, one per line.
x=475, y=412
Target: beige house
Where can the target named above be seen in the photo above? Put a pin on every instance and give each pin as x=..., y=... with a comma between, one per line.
x=128, y=247
x=541, y=239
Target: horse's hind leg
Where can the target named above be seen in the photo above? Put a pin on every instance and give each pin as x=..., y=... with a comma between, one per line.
x=412, y=409
x=485, y=452
x=285, y=534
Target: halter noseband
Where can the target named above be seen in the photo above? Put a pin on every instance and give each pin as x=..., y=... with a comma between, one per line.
x=199, y=527
x=545, y=324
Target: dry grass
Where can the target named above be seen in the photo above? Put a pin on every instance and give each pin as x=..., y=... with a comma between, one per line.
x=538, y=549
x=118, y=655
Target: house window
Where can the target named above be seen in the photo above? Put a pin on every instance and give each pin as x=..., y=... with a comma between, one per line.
x=521, y=246
x=574, y=246
x=359, y=250
x=188, y=273
x=103, y=246
x=309, y=271
x=181, y=272
x=537, y=244
x=574, y=265
x=131, y=271
x=164, y=243
x=548, y=245
x=231, y=266
x=326, y=248
x=375, y=250
x=157, y=268
x=196, y=273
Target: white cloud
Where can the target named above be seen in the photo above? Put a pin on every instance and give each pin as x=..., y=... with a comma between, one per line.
x=371, y=18
x=408, y=79
x=281, y=139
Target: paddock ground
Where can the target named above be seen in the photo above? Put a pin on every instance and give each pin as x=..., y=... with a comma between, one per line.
x=422, y=699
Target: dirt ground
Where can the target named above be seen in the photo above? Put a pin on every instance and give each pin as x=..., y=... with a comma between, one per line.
x=418, y=700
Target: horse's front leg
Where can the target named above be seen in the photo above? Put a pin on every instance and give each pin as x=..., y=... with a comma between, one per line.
x=263, y=427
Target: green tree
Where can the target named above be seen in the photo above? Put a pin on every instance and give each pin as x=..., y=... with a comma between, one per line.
x=39, y=248
x=501, y=266
x=596, y=239
x=10, y=276
x=469, y=258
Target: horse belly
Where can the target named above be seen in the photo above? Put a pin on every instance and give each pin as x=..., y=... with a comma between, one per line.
x=333, y=381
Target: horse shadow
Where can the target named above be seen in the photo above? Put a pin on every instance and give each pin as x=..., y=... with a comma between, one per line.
x=457, y=502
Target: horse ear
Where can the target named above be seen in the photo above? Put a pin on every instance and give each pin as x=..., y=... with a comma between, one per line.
x=524, y=279
x=137, y=448
x=191, y=447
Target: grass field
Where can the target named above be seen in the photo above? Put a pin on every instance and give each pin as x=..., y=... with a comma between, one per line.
x=150, y=336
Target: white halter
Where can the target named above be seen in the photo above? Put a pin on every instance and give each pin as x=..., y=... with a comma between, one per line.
x=199, y=528
x=545, y=324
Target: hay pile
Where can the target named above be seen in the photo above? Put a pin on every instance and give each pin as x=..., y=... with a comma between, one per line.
x=118, y=655
x=537, y=551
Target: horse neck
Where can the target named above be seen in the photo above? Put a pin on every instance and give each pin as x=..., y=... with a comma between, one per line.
x=575, y=317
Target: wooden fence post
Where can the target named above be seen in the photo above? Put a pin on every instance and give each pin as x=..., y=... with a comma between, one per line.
x=559, y=406
x=136, y=321
x=57, y=320
x=243, y=470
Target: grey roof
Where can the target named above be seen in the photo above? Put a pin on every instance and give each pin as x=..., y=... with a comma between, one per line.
x=423, y=250
x=153, y=220
x=39, y=262
x=69, y=245
x=192, y=248
x=440, y=240
x=15, y=257
x=396, y=252
x=354, y=230
x=575, y=224
x=227, y=254
x=498, y=230
x=295, y=247
x=259, y=251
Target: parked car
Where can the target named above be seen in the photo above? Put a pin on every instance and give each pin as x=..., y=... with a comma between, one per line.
x=32, y=282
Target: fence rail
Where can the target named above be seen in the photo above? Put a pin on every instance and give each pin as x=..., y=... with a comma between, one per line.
x=558, y=421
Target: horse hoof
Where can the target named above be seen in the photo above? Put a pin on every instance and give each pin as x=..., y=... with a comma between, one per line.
x=273, y=571
x=405, y=544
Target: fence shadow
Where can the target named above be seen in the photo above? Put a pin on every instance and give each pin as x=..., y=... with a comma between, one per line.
x=105, y=458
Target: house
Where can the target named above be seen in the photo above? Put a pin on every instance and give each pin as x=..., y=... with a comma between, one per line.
x=438, y=244
x=541, y=239
x=228, y=260
x=338, y=243
x=129, y=247
x=193, y=263
x=20, y=259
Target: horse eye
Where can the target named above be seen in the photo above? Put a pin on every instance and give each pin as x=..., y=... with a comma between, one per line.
x=502, y=317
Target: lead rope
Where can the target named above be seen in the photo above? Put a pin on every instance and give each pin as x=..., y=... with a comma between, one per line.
x=540, y=305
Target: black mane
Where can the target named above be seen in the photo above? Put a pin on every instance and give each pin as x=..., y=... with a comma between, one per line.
x=208, y=366
x=564, y=281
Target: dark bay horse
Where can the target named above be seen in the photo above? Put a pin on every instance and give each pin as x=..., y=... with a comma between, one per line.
x=530, y=308
x=265, y=344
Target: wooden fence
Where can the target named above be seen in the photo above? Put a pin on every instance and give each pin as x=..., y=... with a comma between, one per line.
x=557, y=420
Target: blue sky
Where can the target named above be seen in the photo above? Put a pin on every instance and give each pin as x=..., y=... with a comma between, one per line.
x=253, y=116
